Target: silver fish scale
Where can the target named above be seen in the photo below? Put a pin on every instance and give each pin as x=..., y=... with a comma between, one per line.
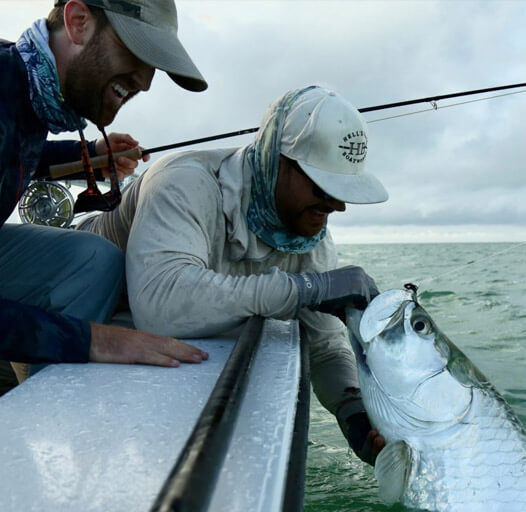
x=481, y=468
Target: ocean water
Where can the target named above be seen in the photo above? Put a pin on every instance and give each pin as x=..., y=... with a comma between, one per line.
x=476, y=294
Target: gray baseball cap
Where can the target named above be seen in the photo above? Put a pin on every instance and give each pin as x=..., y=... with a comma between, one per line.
x=149, y=30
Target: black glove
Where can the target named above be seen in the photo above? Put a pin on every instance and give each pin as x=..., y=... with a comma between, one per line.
x=355, y=426
x=332, y=291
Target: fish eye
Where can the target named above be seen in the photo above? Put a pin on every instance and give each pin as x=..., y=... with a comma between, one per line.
x=421, y=325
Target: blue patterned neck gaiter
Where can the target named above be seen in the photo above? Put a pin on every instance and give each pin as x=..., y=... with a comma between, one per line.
x=262, y=216
x=44, y=89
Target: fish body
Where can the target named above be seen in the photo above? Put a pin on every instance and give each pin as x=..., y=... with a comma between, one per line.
x=453, y=444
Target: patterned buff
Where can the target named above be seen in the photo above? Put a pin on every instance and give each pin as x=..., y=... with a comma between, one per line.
x=262, y=216
x=44, y=89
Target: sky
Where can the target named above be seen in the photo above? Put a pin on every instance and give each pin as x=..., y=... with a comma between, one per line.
x=454, y=174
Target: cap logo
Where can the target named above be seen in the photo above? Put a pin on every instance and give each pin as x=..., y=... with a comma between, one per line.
x=355, y=146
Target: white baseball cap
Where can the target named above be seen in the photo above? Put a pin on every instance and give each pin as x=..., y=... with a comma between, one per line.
x=327, y=136
x=148, y=28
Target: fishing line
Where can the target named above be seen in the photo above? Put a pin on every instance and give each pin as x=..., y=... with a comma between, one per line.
x=460, y=267
x=474, y=262
x=435, y=106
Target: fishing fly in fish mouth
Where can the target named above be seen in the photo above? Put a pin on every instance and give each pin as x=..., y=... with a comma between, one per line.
x=453, y=443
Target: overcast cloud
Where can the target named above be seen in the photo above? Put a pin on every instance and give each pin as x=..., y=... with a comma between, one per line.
x=454, y=174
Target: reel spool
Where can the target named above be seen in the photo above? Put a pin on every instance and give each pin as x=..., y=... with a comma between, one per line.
x=46, y=203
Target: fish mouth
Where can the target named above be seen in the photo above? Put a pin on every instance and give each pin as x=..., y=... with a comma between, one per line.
x=384, y=311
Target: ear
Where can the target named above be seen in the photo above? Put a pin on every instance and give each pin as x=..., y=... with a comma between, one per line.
x=78, y=22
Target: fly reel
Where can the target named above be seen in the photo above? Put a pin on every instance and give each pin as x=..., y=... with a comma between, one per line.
x=46, y=203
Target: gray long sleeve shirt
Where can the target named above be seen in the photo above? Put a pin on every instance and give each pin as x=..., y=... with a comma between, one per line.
x=195, y=269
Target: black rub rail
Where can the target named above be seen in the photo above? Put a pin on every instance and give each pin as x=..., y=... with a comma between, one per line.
x=295, y=484
x=191, y=483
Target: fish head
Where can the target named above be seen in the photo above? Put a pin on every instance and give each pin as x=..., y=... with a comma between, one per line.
x=413, y=379
x=398, y=338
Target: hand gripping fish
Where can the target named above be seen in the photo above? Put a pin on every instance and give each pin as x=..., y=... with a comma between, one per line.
x=453, y=443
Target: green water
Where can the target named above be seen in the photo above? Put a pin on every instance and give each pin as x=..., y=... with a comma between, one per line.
x=477, y=296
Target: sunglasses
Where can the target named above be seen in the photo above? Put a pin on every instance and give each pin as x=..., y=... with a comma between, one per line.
x=92, y=198
x=317, y=191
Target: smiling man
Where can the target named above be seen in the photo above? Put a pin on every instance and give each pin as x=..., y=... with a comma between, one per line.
x=213, y=237
x=91, y=57
x=107, y=51
x=58, y=287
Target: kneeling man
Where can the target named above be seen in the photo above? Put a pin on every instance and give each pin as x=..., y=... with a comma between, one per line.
x=214, y=237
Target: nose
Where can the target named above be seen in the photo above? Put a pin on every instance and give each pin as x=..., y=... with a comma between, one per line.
x=338, y=206
x=144, y=75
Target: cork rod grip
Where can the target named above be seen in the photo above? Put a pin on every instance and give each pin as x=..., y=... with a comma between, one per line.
x=63, y=170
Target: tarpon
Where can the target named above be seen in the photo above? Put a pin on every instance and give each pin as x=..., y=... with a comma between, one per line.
x=453, y=444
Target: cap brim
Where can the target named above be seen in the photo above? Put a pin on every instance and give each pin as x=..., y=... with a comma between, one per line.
x=362, y=188
x=160, y=48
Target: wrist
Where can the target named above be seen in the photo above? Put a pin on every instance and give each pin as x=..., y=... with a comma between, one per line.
x=308, y=287
x=350, y=407
x=355, y=429
x=94, y=147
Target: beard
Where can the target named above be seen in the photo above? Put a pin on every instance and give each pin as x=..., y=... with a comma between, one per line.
x=86, y=82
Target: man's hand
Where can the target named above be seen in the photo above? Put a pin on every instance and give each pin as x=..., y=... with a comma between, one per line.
x=372, y=447
x=115, y=344
x=365, y=441
x=332, y=291
x=119, y=142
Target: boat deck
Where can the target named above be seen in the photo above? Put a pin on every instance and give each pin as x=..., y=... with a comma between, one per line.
x=104, y=437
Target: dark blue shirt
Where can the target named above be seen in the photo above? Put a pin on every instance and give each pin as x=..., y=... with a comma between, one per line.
x=27, y=333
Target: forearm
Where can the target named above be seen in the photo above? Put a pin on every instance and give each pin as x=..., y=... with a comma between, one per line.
x=333, y=365
x=188, y=300
x=32, y=335
x=335, y=381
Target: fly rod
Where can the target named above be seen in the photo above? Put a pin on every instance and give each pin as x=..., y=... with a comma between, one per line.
x=67, y=169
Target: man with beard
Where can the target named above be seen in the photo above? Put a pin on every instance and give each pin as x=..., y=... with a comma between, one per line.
x=213, y=237
x=58, y=287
